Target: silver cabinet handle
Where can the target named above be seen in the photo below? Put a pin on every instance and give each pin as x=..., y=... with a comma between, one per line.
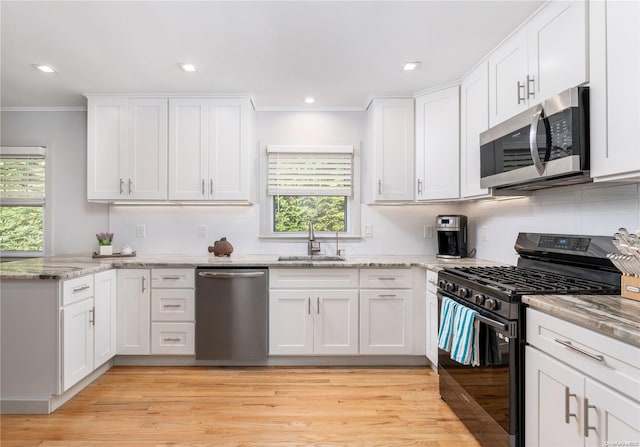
x=389, y=295
x=202, y=186
x=567, y=396
x=143, y=284
x=533, y=139
x=230, y=275
x=92, y=316
x=379, y=186
x=171, y=306
x=130, y=186
x=531, y=86
x=588, y=427
x=171, y=339
x=568, y=344
x=522, y=98
x=387, y=278
x=121, y=186
x=81, y=288
x=318, y=304
x=419, y=186
x=171, y=277
x=211, y=186
x=308, y=305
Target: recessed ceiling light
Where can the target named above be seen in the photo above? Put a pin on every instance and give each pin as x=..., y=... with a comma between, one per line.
x=45, y=68
x=408, y=66
x=309, y=100
x=188, y=67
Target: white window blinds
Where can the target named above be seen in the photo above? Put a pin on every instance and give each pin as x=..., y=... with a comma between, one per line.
x=22, y=176
x=310, y=170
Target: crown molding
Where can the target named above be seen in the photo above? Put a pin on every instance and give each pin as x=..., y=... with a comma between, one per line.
x=43, y=109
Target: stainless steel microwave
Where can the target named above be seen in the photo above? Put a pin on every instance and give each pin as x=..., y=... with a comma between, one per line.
x=546, y=145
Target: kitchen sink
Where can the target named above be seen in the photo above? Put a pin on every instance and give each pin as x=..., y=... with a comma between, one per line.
x=311, y=258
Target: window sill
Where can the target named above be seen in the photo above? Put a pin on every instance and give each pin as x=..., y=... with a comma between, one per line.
x=305, y=237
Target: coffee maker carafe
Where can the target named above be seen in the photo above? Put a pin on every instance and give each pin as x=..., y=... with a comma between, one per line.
x=452, y=236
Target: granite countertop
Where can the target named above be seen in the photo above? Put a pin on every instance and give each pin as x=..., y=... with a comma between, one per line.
x=611, y=315
x=66, y=267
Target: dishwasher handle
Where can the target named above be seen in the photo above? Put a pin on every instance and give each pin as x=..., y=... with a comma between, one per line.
x=229, y=275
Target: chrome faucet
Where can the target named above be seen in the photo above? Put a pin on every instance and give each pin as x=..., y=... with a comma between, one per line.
x=313, y=246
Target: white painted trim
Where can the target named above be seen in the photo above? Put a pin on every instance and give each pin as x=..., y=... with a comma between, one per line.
x=170, y=95
x=437, y=88
x=311, y=109
x=43, y=109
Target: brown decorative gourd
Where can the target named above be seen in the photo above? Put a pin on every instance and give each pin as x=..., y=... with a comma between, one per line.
x=221, y=247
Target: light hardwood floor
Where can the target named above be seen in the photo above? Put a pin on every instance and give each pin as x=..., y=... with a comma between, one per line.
x=271, y=406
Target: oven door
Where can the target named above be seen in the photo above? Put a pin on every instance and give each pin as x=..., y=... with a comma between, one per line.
x=487, y=398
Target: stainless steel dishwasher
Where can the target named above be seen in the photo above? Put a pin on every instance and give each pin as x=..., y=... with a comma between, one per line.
x=231, y=313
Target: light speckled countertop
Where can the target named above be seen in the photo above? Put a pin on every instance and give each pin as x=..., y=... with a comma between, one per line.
x=66, y=267
x=611, y=315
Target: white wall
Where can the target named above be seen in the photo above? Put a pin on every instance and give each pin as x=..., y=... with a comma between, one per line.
x=591, y=209
x=74, y=222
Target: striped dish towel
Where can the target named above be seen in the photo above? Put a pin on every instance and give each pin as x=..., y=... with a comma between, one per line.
x=446, y=323
x=465, y=340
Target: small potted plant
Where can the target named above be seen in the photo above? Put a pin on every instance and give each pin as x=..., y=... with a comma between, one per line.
x=104, y=241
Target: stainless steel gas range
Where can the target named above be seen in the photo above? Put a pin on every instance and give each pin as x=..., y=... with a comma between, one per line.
x=488, y=397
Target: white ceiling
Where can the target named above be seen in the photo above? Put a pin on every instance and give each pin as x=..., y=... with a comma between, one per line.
x=340, y=52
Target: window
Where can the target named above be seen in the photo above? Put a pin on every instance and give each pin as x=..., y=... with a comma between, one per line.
x=310, y=184
x=22, y=200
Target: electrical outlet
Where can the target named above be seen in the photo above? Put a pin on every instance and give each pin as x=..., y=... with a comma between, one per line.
x=202, y=231
x=428, y=231
x=368, y=230
x=141, y=231
x=484, y=233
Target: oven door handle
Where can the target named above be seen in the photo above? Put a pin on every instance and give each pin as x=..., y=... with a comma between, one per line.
x=492, y=323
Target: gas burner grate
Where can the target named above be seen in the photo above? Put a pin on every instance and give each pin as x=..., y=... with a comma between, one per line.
x=522, y=281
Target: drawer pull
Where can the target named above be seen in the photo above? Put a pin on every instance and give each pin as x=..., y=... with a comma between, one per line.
x=173, y=306
x=171, y=277
x=176, y=339
x=567, y=414
x=388, y=295
x=588, y=427
x=568, y=344
x=387, y=278
x=81, y=288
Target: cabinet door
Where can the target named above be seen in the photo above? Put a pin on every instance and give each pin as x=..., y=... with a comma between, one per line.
x=614, y=96
x=335, y=314
x=554, y=394
x=290, y=322
x=557, y=37
x=188, y=149
x=77, y=342
x=474, y=119
x=391, y=137
x=438, y=145
x=147, y=149
x=386, y=321
x=507, y=79
x=105, y=316
x=106, y=148
x=229, y=165
x=432, y=328
x=133, y=311
x=615, y=418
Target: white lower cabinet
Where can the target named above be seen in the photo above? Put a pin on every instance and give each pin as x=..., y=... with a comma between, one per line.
x=133, y=310
x=385, y=322
x=431, y=318
x=575, y=386
x=105, y=286
x=77, y=342
x=173, y=338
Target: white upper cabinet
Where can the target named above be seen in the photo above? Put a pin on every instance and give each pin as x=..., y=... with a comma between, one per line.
x=391, y=145
x=209, y=149
x=438, y=145
x=126, y=148
x=614, y=96
x=545, y=57
x=474, y=119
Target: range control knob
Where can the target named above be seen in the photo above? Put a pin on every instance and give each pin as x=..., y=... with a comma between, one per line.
x=442, y=283
x=450, y=287
x=491, y=304
x=479, y=299
x=463, y=292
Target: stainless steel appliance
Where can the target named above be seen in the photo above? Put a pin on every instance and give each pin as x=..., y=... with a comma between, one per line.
x=452, y=236
x=489, y=398
x=231, y=314
x=546, y=145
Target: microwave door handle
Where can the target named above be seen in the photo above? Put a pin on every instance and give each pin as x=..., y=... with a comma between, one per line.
x=533, y=138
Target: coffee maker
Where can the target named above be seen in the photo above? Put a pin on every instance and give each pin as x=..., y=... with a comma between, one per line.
x=452, y=236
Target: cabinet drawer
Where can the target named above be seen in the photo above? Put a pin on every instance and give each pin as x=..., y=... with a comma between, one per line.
x=173, y=338
x=603, y=358
x=77, y=289
x=432, y=281
x=386, y=278
x=313, y=278
x=173, y=278
x=173, y=305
